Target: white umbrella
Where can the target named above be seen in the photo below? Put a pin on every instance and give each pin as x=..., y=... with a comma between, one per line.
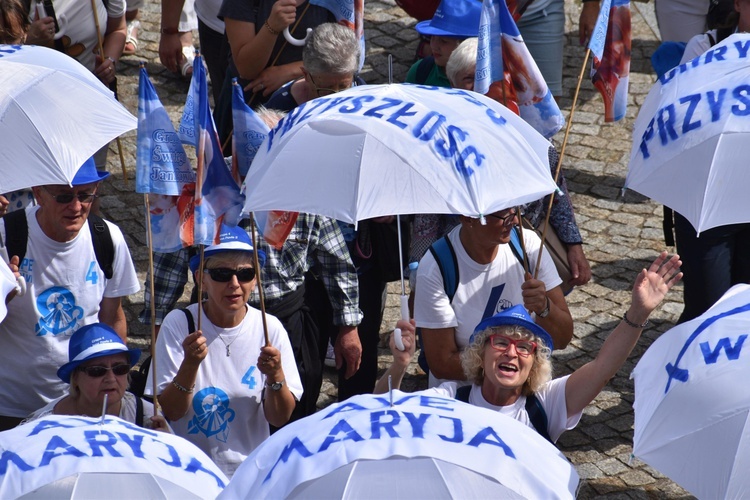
x=54, y=114
x=379, y=150
x=114, y=458
x=691, y=137
x=692, y=402
x=7, y=285
x=421, y=446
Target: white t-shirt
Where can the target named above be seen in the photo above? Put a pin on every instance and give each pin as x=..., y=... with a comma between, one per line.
x=208, y=12
x=483, y=289
x=78, y=29
x=551, y=397
x=65, y=286
x=225, y=418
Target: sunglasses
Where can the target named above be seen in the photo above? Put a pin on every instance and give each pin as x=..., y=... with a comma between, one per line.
x=100, y=371
x=507, y=220
x=224, y=274
x=66, y=198
x=502, y=343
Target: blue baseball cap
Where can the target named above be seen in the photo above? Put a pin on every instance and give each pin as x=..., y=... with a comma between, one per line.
x=456, y=18
x=514, y=316
x=231, y=239
x=96, y=340
x=88, y=174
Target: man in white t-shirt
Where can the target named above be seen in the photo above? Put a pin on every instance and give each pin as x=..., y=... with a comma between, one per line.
x=490, y=279
x=66, y=289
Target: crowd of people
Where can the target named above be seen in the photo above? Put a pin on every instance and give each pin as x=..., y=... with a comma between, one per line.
x=226, y=375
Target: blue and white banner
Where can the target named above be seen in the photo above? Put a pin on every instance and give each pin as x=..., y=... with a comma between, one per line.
x=503, y=56
x=611, y=46
x=57, y=446
x=249, y=131
x=690, y=137
x=189, y=121
x=422, y=424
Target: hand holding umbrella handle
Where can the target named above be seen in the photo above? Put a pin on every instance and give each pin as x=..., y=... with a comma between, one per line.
x=20, y=281
x=404, y=315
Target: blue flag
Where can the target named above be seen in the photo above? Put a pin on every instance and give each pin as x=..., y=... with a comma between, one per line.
x=611, y=46
x=249, y=131
x=599, y=35
x=217, y=195
x=189, y=121
x=504, y=61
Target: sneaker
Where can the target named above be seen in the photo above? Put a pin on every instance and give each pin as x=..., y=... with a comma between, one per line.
x=330, y=360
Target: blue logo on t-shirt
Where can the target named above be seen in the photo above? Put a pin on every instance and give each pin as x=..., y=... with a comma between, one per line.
x=212, y=414
x=60, y=314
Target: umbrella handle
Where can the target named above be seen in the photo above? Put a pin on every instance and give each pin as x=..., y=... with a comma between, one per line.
x=404, y=315
x=294, y=41
x=21, y=287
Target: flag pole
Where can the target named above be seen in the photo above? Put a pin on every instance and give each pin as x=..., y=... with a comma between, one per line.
x=257, y=275
x=562, y=155
x=100, y=46
x=152, y=302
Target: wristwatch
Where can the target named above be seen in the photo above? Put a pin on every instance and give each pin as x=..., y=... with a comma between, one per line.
x=276, y=386
x=545, y=313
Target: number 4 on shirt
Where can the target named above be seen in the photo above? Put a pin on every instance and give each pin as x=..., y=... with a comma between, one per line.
x=248, y=379
x=91, y=274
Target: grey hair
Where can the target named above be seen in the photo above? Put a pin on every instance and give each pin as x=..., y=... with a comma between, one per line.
x=331, y=48
x=270, y=116
x=462, y=59
x=472, y=358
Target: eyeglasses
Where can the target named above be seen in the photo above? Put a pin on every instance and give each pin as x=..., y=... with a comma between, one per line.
x=99, y=371
x=322, y=92
x=224, y=274
x=66, y=198
x=506, y=220
x=502, y=343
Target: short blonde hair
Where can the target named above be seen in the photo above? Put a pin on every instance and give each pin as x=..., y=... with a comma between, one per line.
x=472, y=358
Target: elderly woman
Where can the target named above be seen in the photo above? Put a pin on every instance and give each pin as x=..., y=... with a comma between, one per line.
x=222, y=384
x=460, y=70
x=507, y=360
x=97, y=371
x=490, y=278
x=329, y=64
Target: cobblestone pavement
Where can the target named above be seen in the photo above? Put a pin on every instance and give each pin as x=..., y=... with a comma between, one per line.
x=621, y=234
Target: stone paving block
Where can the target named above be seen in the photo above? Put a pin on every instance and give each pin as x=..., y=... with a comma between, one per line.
x=636, y=478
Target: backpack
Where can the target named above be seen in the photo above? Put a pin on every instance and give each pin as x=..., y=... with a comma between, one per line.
x=534, y=408
x=139, y=377
x=17, y=236
x=445, y=256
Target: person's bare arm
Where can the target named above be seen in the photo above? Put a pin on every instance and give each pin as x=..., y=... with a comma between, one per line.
x=111, y=313
x=443, y=354
x=401, y=359
x=559, y=322
x=170, y=46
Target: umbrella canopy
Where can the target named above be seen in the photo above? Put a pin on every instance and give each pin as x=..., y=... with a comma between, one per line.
x=366, y=447
x=47, y=455
x=378, y=150
x=7, y=285
x=54, y=114
x=692, y=402
x=691, y=138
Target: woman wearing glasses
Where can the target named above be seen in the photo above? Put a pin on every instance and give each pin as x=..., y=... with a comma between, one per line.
x=507, y=359
x=490, y=278
x=220, y=385
x=97, y=371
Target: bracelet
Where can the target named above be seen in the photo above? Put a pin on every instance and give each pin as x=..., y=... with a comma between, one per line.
x=169, y=31
x=634, y=325
x=114, y=63
x=269, y=28
x=183, y=389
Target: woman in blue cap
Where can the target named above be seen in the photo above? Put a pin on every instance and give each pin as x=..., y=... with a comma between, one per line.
x=507, y=360
x=221, y=385
x=97, y=371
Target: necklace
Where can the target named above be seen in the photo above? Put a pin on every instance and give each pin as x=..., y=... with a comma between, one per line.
x=225, y=342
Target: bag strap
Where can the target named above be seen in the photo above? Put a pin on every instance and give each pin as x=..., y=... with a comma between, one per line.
x=515, y=244
x=538, y=416
x=423, y=69
x=445, y=256
x=104, y=249
x=16, y=234
x=190, y=321
x=462, y=394
x=138, y=411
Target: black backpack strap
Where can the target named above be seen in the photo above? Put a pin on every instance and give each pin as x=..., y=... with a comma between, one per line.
x=537, y=416
x=445, y=256
x=462, y=394
x=16, y=234
x=104, y=249
x=423, y=69
x=138, y=411
x=190, y=320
